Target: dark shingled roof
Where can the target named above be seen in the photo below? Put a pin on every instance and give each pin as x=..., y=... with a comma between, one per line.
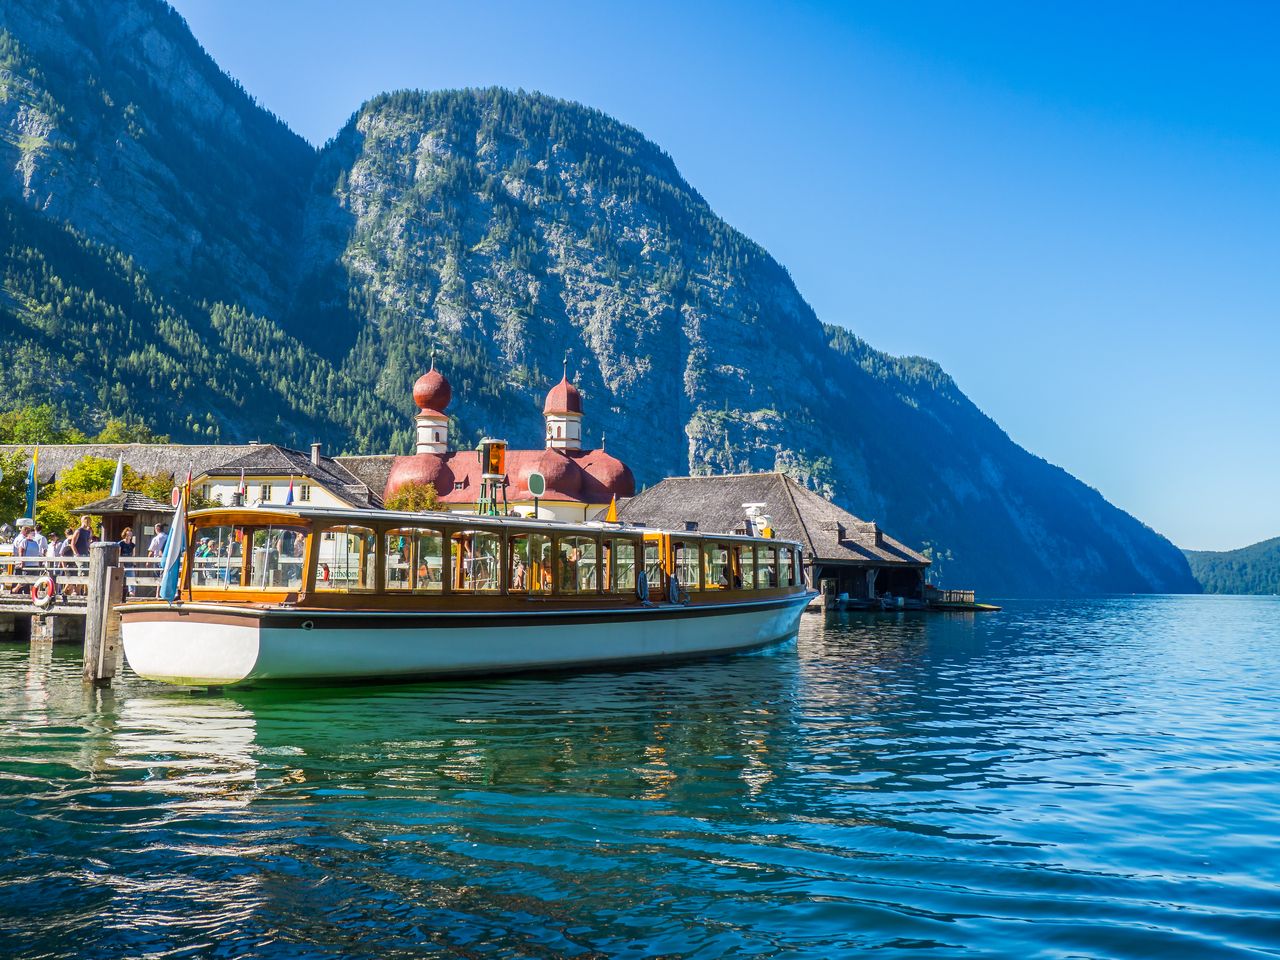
x=828, y=533
x=372, y=471
x=269, y=459
x=128, y=502
x=215, y=460
x=174, y=459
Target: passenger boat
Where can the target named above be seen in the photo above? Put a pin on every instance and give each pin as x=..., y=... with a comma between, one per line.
x=317, y=594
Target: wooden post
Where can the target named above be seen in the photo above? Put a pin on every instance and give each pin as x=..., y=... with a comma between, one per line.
x=106, y=586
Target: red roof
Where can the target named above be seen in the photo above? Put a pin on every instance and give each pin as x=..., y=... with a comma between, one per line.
x=563, y=398
x=581, y=476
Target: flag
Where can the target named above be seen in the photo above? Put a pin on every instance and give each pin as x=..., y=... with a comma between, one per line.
x=241, y=489
x=612, y=515
x=117, y=482
x=288, y=497
x=174, y=547
x=31, y=484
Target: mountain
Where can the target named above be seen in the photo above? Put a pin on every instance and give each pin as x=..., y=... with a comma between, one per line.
x=1252, y=569
x=173, y=252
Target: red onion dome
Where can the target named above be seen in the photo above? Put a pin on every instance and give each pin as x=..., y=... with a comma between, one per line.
x=420, y=468
x=612, y=474
x=563, y=398
x=563, y=476
x=432, y=391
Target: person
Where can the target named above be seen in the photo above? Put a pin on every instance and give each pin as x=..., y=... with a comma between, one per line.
x=128, y=548
x=156, y=547
x=67, y=549
x=41, y=540
x=51, y=553
x=24, y=545
x=82, y=537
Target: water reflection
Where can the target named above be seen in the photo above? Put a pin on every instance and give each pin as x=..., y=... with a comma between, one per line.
x=1090, y=779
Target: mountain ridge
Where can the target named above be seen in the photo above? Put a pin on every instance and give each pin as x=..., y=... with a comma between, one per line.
x=502, y=228
x=1252, y=569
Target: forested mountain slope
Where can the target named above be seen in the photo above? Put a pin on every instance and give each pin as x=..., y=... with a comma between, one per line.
x=506, y=229
x=1252, y=569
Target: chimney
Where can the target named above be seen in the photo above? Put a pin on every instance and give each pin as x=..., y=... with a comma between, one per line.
x=315, y=454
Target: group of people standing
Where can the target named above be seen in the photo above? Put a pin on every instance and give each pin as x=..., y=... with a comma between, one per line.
x=71, y=549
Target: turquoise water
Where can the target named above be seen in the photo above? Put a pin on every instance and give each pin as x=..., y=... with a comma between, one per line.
x=1096, y=779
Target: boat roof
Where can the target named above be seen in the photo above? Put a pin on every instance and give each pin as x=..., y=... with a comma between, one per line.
x=475, y=519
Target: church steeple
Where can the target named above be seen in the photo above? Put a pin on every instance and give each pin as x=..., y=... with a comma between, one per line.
x=432, y=394
x=563, y=414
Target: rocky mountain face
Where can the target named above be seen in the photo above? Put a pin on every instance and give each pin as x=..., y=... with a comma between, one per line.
x=293, y=294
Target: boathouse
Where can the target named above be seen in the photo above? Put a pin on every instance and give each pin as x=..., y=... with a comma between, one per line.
x=851, y=555
x=130, y=509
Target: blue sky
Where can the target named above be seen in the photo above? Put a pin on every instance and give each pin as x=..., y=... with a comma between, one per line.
x=1075, y=209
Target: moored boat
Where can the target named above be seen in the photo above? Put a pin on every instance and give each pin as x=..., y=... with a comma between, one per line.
x=315, y=594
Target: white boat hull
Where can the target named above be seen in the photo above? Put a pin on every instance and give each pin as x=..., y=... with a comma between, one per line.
x=204, y=645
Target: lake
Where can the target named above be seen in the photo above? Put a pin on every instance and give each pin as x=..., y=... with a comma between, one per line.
x=1097, y=778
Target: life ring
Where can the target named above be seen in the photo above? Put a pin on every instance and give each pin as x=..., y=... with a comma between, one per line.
x=44, y=592
x=642, y=587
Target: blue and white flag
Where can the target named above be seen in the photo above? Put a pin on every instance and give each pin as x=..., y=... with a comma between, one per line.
x=117, y=483
x=174, y=547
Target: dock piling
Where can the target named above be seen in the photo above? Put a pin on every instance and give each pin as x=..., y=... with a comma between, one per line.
x=102, y=622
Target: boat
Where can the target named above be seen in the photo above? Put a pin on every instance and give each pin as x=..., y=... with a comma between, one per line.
x=314, y=594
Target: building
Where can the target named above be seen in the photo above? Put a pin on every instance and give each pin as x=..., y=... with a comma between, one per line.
x=216, y=469
x=579, y=482
x=268, y=470
x=130, y=510
x=851, y=555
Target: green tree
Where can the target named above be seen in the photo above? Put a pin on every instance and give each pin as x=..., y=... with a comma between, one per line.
x=36, y=424
x=415, y=498
x=13, y=486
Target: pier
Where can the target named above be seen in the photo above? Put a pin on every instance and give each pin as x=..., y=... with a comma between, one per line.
x=82, y=607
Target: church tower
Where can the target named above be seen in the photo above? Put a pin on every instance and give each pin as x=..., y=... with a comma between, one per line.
x=563, y=415
x=432, y=394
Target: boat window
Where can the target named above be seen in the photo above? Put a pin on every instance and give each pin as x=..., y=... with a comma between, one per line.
x=620, y=565
x=414, y=560
x=530, y=563
x=398, y=572
x=346, y=558
x=746, y=557
x=275, y=563
x=717, y=573
x=577, y=565
x=766, y=567
x=785, y=570
x=688, y=564
x=653, y=566
x=476, y=561
x=429, y=573
x=219, y=557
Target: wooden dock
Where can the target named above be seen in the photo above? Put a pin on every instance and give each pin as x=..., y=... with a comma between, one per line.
x=83, y=606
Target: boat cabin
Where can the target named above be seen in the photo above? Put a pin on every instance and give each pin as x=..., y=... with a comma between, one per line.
x=344, y=558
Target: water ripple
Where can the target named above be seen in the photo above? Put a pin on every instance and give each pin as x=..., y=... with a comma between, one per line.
x=1064, y=779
